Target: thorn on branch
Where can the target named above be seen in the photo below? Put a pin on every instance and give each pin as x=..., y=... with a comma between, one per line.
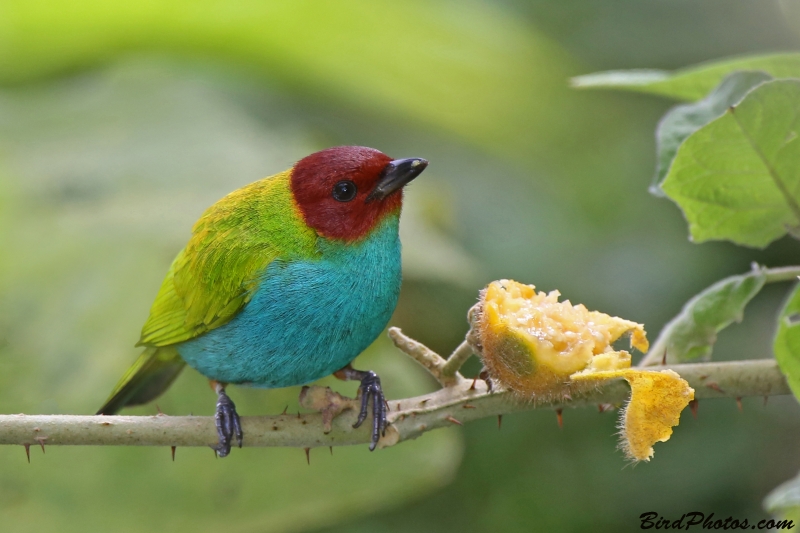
x=453, y=420
x=173, y=452
x=308, y=455
x=739, y=403
x=693, y=406
x=560, y=418
x=484, y=375
x=499, y=422
x=28, y=452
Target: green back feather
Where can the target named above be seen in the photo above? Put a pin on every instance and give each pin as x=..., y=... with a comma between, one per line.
x=232, y=243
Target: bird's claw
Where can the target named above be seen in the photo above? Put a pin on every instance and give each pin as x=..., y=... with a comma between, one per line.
x=228, y=424
x=370, y=388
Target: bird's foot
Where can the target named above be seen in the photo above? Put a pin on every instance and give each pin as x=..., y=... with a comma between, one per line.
x=227, y=422
x=370, y=389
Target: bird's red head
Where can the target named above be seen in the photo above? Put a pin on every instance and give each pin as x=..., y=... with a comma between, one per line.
x=343, y=192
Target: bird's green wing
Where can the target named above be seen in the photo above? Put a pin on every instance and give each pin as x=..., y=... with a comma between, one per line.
x=151, y=374
x=217, y=273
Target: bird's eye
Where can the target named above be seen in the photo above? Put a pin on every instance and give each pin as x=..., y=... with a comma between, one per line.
x=344, y=191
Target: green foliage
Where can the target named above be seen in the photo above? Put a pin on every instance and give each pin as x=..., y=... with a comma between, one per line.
x=787, y=341
x=730, y=161
x=737, y=177
x=784, y=501
x=360, y=52
x=691, y=83
x=683, y=120
x=691, y=335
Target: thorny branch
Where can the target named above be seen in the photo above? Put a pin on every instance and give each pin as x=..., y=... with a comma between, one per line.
x=459, y=400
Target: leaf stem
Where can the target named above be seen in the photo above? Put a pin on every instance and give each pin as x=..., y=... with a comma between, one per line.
x=788, y=273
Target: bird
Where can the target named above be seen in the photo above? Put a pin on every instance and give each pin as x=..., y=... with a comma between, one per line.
x=283, y=282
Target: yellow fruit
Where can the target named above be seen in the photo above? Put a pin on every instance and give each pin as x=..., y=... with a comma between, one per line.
x=531, y=343
x=543, y=349
x=657, y=399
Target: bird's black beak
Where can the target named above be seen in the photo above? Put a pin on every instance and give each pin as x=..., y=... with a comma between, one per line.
x=395, y=176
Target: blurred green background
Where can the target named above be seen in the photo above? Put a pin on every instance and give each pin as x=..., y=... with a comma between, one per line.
x=121, y=121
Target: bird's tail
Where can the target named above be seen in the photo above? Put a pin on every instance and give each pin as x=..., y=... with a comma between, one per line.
x=151, y=374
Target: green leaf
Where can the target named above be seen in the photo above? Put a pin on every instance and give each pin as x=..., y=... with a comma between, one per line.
x=683, y=120
x=787, y=341
x=691, y=335
x=784, y=500
x=691, y=83
x=738, y=177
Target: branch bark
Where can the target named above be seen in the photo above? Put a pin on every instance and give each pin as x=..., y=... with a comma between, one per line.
x=410, y=418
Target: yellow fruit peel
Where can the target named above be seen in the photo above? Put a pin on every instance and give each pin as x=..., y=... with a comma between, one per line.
x=531, y=343
x=657, y=399
x=543, y=349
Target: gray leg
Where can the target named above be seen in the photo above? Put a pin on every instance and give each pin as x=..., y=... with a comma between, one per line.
x=370, y=389
x=226, y=420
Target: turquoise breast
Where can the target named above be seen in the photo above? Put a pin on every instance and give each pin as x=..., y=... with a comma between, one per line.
x=307, y=319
